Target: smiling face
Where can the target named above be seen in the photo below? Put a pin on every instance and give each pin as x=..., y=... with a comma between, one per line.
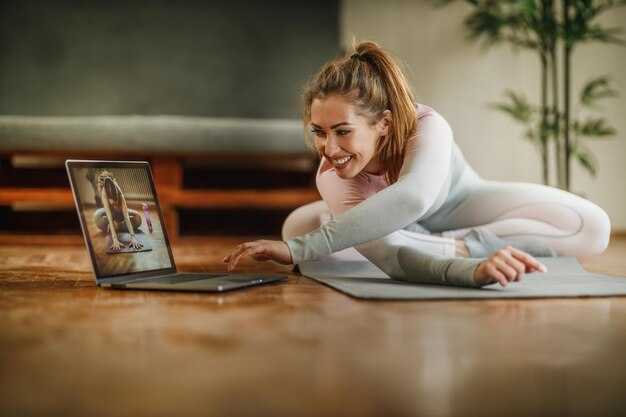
x=347, y=140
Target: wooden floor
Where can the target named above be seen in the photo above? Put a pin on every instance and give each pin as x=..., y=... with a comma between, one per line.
x=296, y=348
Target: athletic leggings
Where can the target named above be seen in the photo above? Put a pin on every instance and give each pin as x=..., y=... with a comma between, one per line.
x=569, y=224
x=102, y=221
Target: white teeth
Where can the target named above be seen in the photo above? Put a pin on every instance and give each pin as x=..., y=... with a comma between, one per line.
x=341, y=161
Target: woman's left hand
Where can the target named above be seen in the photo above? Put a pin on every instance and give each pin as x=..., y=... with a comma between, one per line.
x=506, y=265
x=134, y=243
x=260, y=250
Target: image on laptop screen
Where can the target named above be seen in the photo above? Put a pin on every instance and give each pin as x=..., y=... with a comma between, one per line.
x=121, y=219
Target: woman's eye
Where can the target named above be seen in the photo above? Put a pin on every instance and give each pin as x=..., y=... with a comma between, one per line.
x=318, y=133
x=343, y=132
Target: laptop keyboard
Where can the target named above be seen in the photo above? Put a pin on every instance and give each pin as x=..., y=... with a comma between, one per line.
x=176, y=278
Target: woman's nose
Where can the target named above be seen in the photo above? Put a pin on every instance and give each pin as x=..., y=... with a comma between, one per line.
x=332, y=147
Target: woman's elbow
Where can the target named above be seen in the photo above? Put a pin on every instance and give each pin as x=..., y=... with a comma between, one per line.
x=412, y=206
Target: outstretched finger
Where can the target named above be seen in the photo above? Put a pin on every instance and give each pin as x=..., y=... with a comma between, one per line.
x=234, y=256
x=495, y=274
x=228, y=257
x=233, y=259
x=508, y=270
x=246, y=252
x=531, y=263
x=517, y=266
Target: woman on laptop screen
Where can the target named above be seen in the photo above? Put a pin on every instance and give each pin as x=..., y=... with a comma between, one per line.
x=396, y=187
x=115, y=216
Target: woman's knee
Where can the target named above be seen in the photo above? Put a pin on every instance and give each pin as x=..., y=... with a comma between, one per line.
x=304, y=219
x=135, y=218
x=597, y=231
x=593, y=236
x=100, y=218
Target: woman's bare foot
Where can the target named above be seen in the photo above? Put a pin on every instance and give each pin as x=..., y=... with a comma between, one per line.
x=461, y=249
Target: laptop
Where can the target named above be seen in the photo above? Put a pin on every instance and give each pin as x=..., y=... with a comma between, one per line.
x=125, y=235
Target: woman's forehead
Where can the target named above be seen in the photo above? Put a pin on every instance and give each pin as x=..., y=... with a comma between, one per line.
x=332, y=110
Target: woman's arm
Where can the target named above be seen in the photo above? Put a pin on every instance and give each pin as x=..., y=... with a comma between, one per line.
x=405, y=263
x=421, y=267
x=393, y=255
x=115, y=245
x=424, y=173
x=134, y=244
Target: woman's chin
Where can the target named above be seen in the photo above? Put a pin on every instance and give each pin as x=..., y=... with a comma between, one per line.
x=345, y=174
x=350, y=170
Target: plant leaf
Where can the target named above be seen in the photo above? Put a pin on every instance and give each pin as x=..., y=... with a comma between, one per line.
x=592, y=127
x=597, y=89
x=532, y=135
x=519, y=108
x=586, y=159
x=581, y=27
x=600, y=34
x=486, y=22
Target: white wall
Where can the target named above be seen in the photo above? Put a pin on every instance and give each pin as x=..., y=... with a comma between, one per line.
x=458, y=79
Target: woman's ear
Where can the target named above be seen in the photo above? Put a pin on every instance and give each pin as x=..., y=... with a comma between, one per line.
x=384, y=124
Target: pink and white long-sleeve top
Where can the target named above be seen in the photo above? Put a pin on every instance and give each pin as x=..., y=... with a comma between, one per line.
x=366, y=207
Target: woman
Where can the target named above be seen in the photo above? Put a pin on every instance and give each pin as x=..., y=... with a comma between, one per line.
x=115, y=208
x=401, y=193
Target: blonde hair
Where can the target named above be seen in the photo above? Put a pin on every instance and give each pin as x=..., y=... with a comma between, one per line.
x=102, y=180
x=370, y=80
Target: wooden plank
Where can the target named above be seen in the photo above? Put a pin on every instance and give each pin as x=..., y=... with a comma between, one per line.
x=168, y=178
x=62, y=196
x=167, y=173
x=171, y=220
x=284, y=198
x=38, y=239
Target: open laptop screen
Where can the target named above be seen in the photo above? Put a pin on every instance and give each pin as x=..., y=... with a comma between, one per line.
x=120, y=217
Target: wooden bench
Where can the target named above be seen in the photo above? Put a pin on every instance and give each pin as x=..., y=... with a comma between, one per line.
x=169, y=143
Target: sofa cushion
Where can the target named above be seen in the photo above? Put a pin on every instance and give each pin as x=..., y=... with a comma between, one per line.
x=162, y=134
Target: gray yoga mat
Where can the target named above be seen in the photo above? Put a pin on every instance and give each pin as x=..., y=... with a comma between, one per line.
x=362, y=279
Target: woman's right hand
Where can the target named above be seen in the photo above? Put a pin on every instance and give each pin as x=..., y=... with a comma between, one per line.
x=506, y=265
x=260, y=250
x=116, y=246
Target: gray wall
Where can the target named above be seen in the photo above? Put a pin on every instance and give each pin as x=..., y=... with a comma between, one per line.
x=239, y=58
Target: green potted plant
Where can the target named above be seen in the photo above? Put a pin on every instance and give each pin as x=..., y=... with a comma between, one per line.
x=544, y=26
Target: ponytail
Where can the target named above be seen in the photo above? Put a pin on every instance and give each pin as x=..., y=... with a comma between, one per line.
x=372, y=82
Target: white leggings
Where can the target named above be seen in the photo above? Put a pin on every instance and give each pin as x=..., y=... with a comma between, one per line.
x=567, y=223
